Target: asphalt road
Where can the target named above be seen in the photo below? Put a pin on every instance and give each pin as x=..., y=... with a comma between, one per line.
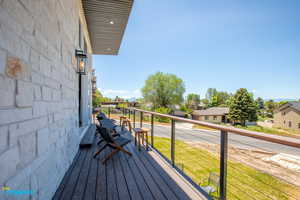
x=195, y=135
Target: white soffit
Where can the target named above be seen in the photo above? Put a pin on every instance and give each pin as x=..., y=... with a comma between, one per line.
x=106, y=21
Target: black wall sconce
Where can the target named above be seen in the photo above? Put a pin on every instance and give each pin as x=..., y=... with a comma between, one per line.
x=81, y=61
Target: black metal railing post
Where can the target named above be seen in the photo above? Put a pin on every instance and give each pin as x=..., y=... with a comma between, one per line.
x=173, y=142
x=108, y=112
x=141, y=120
x=129, y=113
x=133, y=118
x=223, y=164
x=152, y=130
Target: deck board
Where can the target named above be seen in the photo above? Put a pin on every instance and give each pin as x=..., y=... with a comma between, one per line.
x=140, y=176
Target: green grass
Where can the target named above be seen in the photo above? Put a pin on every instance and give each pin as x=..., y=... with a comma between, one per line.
x=196, y=126
x=274, y=131
x=244, y=182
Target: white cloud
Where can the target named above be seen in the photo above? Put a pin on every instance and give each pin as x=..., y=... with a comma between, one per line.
x=121, y=93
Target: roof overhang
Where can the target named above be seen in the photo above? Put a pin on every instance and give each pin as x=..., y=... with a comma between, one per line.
x=106, y=21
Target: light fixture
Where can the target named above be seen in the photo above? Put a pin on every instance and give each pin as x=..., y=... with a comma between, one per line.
x=111, y=22
x=81, y=61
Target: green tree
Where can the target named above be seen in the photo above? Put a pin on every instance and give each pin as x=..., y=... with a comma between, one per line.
x=210, y=93
x=96, y=101
x=205, y=102
x=193, y=100
x=214, y=101
x=163, y=90
x=222, y=98
x=242, y=107
x=270, y=106
x=260, y=103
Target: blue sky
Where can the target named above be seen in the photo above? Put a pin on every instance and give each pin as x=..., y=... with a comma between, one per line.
x=221, y=44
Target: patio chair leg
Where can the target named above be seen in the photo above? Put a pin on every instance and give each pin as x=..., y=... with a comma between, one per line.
x=110, y=155
x=125, y=151
x=99, y=151
x=99, y=142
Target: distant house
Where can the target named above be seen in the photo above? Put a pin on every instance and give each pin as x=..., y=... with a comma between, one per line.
x=179, y=113
x=214, y=114
x=288, y=116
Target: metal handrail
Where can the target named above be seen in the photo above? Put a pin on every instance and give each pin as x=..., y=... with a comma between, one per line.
x=261, y=136
x=224, y=131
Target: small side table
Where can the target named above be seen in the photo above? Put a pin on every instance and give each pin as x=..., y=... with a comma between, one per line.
x=140, y=135
x=121, y=119
x=126, y=122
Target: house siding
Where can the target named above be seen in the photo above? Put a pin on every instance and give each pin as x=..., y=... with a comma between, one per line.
x=210, y=118
x=291, y=116
x=39, y=131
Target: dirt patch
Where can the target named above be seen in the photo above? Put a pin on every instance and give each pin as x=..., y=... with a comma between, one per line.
x=256, y=159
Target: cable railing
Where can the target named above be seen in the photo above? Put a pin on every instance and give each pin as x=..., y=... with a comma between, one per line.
x=215, y=162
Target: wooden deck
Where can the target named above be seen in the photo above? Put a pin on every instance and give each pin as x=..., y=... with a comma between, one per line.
x=145, y=175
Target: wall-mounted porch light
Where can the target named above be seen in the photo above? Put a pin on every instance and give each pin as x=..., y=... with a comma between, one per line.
x=81, y=61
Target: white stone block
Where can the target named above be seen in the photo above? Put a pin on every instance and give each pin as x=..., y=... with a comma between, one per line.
x=43, y=142
x=3, y=138
x=14, y=115
x=45, y=66
x=23, y=128
x=7, y=91
x=37, y=78
x=34, y=60
x=39, y=108
x=47, y=94
x=8, y=163
x=56, y=95
x=27, y=145
x=3, y=57
x=37, y=92
x=24, y=97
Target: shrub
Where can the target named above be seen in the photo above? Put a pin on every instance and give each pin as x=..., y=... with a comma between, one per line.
x=162, y=110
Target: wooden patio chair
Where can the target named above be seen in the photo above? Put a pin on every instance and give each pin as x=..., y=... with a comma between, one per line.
x=116, y=143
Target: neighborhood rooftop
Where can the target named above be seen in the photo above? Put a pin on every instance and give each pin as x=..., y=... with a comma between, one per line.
x=212, y=111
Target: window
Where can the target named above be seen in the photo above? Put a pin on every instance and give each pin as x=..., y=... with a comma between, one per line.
x=215, y=117
x=284, y=121
x=290, y=124
x=283, y=113
x=299, y=125
x=206, y=118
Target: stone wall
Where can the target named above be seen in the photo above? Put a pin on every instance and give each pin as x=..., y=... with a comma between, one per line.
x=39, y=131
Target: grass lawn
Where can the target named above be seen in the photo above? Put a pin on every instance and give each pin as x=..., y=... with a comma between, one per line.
x=196, y=126
x=244, y=182
x=274, y=131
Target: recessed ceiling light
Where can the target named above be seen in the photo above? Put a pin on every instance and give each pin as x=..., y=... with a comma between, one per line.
x=111, y=22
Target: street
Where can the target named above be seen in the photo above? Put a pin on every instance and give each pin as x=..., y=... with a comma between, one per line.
x=213, y=137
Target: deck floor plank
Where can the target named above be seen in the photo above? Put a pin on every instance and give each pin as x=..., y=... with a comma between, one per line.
x=101, y=188
x=64, y=182
x=133, y=187
x=72, y=182
x=157, y=178
x=90, y=191
x=169, y=181
x=120, y=179
x=140, y=176
x=155, y=189
x=112, y=190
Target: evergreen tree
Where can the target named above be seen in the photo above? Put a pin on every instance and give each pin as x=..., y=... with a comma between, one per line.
x=242, y=107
